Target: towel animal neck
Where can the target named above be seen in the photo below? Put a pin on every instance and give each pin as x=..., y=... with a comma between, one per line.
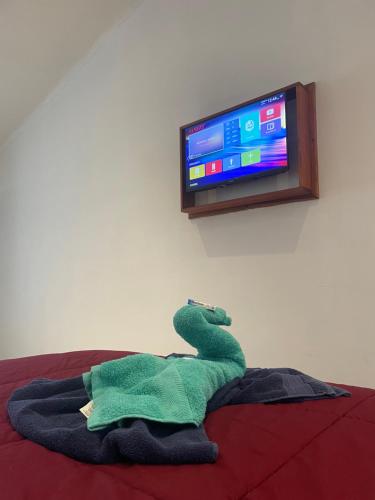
x=201, y=328
x=173, y=390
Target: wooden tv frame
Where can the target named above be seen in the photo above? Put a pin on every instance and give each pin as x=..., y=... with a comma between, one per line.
x=307, y=162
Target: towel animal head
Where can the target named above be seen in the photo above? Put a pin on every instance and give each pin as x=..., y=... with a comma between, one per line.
x=202, y=328
x=217, y=317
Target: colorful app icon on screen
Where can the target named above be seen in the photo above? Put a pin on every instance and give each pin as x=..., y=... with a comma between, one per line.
x=231, y=162
x=270, y=112
x=196, y=172
x=214, y=167
x=249, y=126
x=271, y=127
x=250, y=157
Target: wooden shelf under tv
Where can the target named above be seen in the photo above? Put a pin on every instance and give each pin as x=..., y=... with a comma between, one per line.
x=307, y=163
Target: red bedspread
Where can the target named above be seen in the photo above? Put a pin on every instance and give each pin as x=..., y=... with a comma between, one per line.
x=321, y=450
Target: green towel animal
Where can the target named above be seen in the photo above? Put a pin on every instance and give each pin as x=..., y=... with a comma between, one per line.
x=173, y=390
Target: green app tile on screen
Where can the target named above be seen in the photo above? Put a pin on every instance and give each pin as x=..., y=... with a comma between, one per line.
x=196, y=172
x=250, y=157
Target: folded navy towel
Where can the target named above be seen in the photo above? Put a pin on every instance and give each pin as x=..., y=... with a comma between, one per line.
x=272, y=385
x=47, y=412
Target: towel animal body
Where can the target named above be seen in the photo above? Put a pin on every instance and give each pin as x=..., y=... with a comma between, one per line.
x=172, y=390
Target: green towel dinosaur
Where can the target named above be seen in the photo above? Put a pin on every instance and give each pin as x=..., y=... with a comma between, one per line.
x=174, y=390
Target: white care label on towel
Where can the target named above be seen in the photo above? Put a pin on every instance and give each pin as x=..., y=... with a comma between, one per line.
x=87, y=409
x=193, y=302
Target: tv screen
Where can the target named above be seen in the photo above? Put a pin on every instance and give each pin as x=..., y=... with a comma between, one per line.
x=245, y=142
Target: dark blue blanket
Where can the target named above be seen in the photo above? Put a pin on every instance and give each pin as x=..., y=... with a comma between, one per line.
x=272, y=385
x=47, y=412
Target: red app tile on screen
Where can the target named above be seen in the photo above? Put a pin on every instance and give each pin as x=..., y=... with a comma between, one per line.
x=214, y=167
x=270, y=112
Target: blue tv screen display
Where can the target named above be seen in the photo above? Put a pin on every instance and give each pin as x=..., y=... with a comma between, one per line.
x=245, y=142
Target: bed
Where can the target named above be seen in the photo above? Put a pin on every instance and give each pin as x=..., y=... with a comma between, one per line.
x=318, y=450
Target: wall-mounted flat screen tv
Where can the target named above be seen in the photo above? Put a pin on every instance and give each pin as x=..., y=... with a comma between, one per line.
x=243, y=143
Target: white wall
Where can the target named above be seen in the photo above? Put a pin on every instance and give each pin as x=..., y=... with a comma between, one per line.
x=94, y=252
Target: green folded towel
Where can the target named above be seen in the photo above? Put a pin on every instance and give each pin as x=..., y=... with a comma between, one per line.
x=174, y=390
